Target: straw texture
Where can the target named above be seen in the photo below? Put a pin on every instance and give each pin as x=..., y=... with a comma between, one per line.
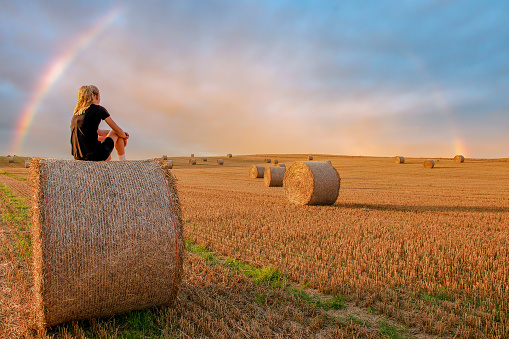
x=256, y=171
x=399, y=160
x=311, y=183
x=107, y=238
x=220, y=161
x=274, y=176
x=459, y=158
x=429, y=163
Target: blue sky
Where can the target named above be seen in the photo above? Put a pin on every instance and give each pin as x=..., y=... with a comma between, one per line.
x=423, y=78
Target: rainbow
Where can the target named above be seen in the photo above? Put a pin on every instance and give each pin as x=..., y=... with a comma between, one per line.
x=54, y=71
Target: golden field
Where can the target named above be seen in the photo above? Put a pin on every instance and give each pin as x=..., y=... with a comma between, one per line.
x=422, y=251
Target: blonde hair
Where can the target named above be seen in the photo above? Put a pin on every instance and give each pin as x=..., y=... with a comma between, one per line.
x=85, y=98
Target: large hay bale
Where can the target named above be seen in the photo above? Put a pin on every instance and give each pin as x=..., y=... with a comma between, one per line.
x=267, y=160
x=11, y=159
x=310, y=157
x=311, y=183
x=459, y=158
x=256, y=171
x=192, y=161
x=106, y=238
x=220, y=161
x=399, y=160
x=204, y=158
x=275, y=161
x=429, y=163
x=27, y=164
x=274, y=176
x=229, y=155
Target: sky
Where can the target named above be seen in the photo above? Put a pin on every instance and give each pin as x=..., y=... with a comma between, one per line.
x=376, y=78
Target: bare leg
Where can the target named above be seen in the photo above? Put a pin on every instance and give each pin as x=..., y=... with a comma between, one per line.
x=120, y=146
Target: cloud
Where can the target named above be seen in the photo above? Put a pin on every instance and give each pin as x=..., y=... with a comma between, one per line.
x=268, y=77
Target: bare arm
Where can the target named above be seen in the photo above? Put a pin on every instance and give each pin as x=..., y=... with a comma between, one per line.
x=115, y=127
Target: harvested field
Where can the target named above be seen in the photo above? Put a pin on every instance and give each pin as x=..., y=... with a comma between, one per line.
x=423, y=252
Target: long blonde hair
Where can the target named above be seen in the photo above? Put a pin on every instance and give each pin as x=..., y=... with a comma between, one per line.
x=85, y=98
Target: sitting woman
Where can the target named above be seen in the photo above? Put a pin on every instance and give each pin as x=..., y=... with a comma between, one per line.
x=87, y=140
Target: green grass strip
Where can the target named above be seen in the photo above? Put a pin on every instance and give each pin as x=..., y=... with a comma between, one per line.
x=12, y=175
x=21, y=219
x=266, y=275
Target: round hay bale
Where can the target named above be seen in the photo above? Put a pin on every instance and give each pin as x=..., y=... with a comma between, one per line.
x=169, y=164
x=311, y=183
x=267, y=160
x=192, y=155
x=274, y=176
x=280, y=165
x=27, y=164
x=399, y=160
x=107, y=238
x=204, y=158
x=329, y=162
x=256, y=171
x=192, y=161
x=429, y=163
x=220, y=161
x=310, y=157
x=165, y=157
x=459, y=158
x=275, y=161
x=11, y=159
x=229, y=155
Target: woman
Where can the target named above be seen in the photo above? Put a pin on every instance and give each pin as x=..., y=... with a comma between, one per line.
x=87, y=140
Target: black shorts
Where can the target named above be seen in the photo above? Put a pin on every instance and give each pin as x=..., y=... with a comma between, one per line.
x=103, y=152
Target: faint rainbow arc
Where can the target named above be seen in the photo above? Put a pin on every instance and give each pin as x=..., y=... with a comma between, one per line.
x=53, y=72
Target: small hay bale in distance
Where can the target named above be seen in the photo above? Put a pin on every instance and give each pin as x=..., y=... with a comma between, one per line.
x=311, y=183
x=399, y=160
x=275, y=161
x=192, y=155
x=267, y=160
x=280, y=165
x=429, y=163
x=459, y=158
x=256, y=171
x=11, y=159
x=192, y=161
x=204, y=158
x=310, y=157
x=169, y=163
x=220, y=161
x=274, y=176
x=107, y=238
x=229, y=155
x=27, y=164
x=329, y=162
x=165, y=157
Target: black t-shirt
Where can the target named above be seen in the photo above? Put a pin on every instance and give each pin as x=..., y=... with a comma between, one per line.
x=84, y=131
